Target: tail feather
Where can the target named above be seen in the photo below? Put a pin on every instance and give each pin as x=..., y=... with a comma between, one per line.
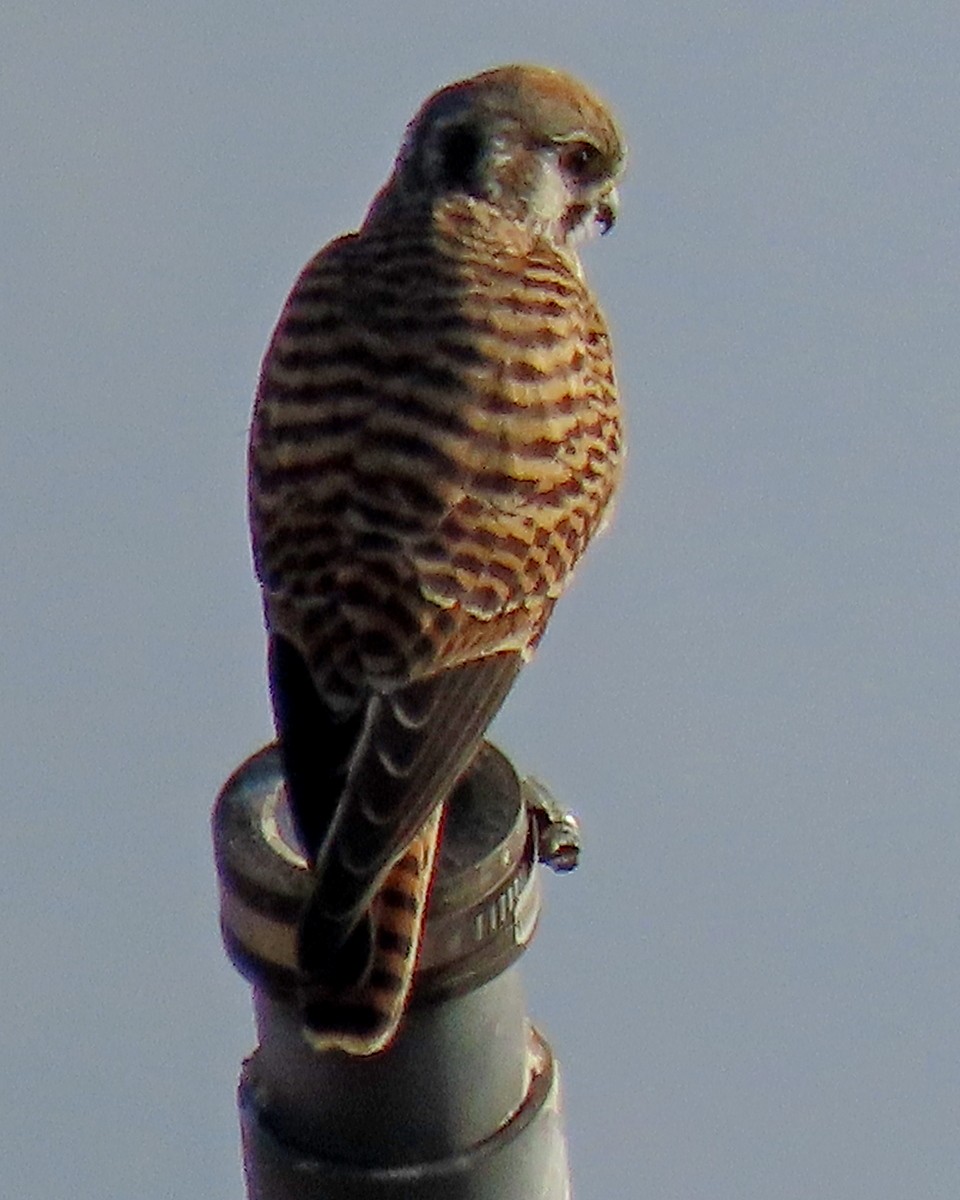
x=362, y=1017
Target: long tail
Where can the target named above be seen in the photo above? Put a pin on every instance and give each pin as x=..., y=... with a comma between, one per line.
x=362, y=1018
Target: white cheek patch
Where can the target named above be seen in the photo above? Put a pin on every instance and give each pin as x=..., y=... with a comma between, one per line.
x=566, y=220
x=552, y=197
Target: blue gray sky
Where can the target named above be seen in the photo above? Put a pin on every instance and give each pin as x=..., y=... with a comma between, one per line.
x=750, y=694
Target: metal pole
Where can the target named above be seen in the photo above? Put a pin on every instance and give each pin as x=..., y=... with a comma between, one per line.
x=465, y=1102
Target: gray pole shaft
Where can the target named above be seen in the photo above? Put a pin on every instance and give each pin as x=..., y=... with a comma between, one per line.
x=465, y=1102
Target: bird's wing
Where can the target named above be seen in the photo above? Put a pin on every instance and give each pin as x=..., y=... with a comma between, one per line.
x=416, y=742
x=317, y=743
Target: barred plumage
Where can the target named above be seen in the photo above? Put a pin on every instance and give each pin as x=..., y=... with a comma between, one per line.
x=435, y=439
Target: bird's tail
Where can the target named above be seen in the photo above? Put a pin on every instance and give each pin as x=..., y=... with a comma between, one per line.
x=362, y=1017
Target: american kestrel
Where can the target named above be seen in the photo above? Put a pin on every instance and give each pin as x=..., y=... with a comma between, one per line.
x=435, y=438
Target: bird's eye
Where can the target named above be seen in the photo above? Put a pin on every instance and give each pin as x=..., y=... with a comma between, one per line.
x=580, y=160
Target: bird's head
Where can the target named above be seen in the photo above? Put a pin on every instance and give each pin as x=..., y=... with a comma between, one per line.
x=533, y=142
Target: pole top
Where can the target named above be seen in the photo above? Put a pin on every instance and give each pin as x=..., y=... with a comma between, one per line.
x=483, y=906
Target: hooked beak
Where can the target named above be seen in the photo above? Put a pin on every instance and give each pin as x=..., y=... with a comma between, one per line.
x=607, y=210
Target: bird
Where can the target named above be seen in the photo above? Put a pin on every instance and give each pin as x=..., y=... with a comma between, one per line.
x=435, y=438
